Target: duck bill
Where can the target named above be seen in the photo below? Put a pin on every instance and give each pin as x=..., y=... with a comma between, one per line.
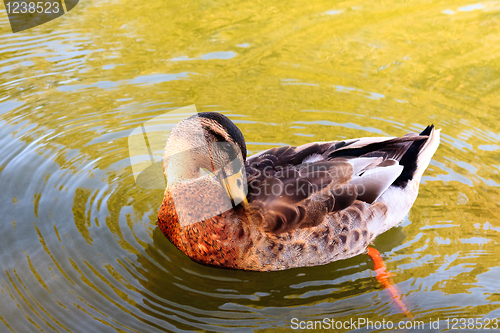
x=234, y=186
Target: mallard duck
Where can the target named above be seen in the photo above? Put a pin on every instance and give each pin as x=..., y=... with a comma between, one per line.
x=288, y=206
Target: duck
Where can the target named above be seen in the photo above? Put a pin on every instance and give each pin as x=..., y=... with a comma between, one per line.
x=287, y=206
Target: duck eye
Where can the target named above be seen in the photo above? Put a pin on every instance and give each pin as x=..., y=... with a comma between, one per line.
x=227, y=146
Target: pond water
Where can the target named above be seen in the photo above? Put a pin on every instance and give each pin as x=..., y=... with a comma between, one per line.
x=80, y=250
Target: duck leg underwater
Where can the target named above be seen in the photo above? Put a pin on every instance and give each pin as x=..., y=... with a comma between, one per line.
x=384, y=278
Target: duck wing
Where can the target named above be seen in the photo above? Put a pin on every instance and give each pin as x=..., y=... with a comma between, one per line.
x=295, y=187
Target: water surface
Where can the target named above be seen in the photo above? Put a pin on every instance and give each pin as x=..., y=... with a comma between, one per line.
x=80, y=250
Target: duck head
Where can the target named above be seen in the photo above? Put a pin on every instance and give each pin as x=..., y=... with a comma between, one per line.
x=206, y=143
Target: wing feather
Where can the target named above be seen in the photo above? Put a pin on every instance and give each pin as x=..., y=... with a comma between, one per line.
x=285, y=193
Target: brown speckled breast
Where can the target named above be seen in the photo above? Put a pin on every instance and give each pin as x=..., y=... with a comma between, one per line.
x=219, y=240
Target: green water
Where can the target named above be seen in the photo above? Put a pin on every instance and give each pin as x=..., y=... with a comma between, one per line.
x=80, y=251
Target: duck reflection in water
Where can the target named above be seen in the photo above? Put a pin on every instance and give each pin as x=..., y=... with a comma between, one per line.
x=285, y=207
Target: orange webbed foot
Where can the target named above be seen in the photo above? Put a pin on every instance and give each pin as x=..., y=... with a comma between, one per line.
x=384, y=277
